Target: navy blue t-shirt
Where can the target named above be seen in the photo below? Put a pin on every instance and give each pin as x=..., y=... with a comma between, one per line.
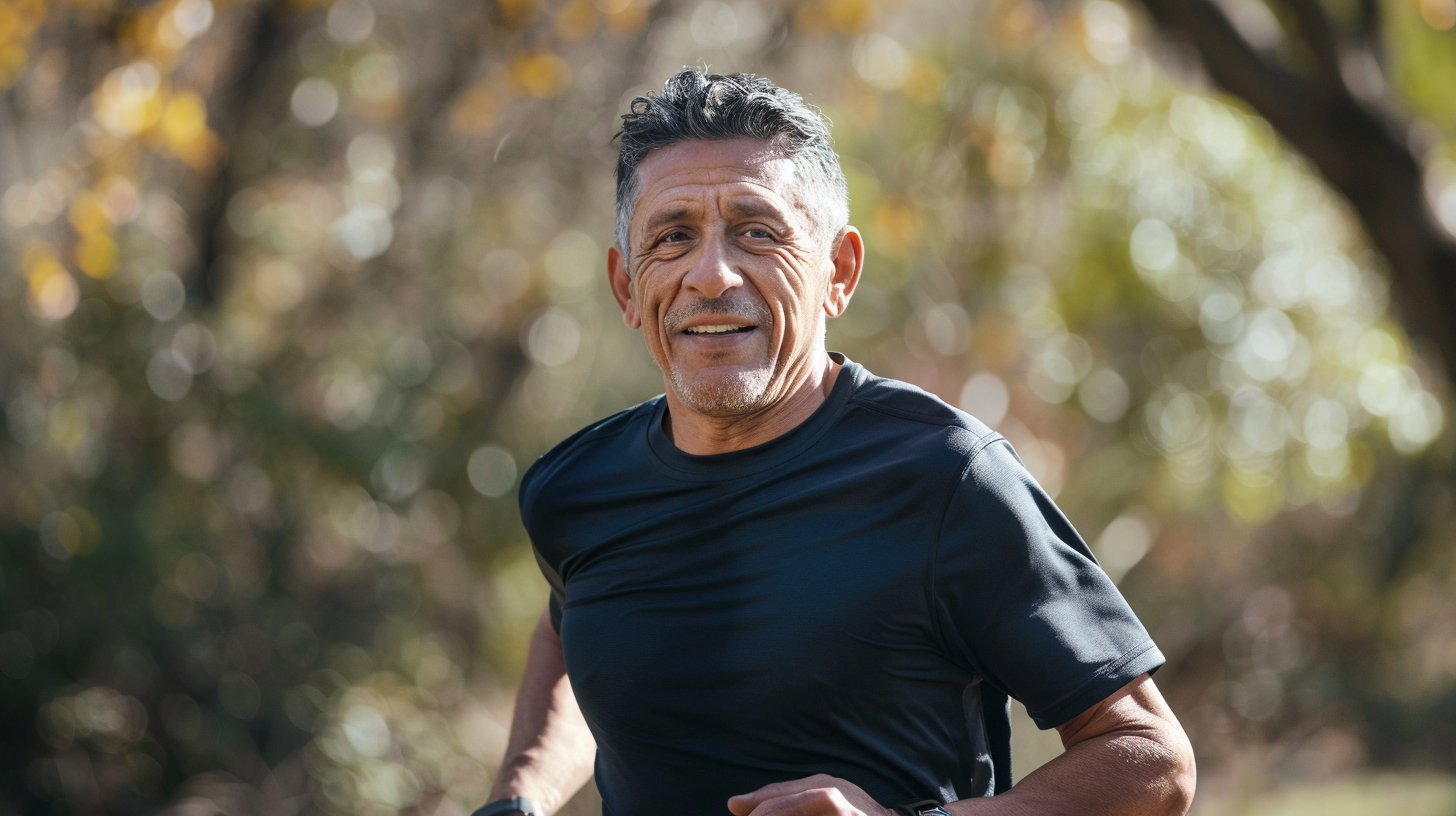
x=857, y=597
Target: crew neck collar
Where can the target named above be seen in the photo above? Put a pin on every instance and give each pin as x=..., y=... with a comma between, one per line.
x=747, y=461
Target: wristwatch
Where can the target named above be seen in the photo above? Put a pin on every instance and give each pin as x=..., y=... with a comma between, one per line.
x=503, y=806
x=929, y=807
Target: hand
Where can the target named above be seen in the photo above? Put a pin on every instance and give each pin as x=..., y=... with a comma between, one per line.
x=818, y=795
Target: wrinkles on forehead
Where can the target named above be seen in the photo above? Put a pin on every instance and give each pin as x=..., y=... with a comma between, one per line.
x=742, y=181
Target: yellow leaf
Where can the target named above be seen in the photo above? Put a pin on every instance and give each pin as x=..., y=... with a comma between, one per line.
x=474, y=112
x=12, y=62
x=897, y=224
x=846, y=15
x=201, y=152
x=29, y=14
x=184, y=121
x=87, y=214
x=541, y=74
x=924, y=82
x=622, y=16
x=96, y=255
x=517, y=12
x=576, y=21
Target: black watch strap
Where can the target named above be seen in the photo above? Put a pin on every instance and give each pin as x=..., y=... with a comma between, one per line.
x=502, y=806
x=928, y=807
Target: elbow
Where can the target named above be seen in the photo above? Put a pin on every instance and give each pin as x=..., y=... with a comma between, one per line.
x=1167, y=776
x=1182, y=776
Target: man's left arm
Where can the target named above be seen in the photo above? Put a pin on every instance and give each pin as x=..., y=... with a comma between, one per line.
x=1125, y=756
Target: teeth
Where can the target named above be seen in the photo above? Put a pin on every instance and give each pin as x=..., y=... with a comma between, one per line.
x=714, y=329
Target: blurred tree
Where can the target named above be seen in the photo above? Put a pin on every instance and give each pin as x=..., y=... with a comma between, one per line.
x=1324, y=86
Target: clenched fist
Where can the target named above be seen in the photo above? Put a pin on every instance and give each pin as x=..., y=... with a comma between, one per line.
x=818, y=795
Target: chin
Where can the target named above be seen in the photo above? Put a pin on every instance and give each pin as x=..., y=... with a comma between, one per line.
x=721, y=393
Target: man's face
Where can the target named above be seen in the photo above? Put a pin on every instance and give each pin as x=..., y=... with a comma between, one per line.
x=728, y=274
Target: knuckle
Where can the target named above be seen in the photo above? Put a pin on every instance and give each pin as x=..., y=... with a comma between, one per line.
x=829, y=800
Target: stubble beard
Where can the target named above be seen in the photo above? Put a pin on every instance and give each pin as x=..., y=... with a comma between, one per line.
x=733, y=392
x=740, y=392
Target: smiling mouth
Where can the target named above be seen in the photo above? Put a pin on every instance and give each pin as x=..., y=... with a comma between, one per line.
x=718, y=331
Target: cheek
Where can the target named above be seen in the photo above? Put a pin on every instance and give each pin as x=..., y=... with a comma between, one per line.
x=794, y=286
x=648, y=290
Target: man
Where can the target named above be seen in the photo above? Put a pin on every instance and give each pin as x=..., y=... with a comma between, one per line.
x=787, y=586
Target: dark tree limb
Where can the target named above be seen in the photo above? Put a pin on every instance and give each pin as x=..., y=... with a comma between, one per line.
x=260, y=46
x=1318, y=34
x=1370, y=28
x=1357, y=150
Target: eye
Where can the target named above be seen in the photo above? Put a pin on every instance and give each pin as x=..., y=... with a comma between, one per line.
x=757, y=232
x=674, y=237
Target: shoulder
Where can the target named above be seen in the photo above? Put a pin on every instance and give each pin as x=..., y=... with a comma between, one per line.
x=590, y=448
x=907, y=412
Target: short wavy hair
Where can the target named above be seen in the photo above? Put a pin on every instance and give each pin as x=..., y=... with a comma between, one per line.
x=714, y=107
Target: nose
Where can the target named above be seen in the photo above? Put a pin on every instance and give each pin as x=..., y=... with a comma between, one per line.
x=712, y=273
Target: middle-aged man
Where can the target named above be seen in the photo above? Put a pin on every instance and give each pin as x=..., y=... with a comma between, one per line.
x=788, y=586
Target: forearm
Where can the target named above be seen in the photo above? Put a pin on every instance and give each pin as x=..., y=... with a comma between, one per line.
x=1126, y=756
x=1117, y=776
x=550, y=751
x=1143, y=766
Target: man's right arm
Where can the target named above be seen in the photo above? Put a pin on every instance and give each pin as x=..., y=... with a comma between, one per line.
x=550, y=752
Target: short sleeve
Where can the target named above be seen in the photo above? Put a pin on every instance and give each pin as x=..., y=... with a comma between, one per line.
x=1020, y=600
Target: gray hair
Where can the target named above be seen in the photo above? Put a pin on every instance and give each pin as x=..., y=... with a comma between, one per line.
x=713, y=107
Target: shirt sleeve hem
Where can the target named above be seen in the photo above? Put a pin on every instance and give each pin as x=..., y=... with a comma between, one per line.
x=1143, y=659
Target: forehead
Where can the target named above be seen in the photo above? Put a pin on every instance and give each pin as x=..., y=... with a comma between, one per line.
x=694, y=169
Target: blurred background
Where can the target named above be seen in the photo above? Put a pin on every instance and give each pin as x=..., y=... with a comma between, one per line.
x=294, y=291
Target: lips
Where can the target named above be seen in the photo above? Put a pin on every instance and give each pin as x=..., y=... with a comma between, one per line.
x=725, y=318
x=717, y=330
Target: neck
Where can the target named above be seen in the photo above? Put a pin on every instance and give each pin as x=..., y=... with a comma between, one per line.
x=704, y=435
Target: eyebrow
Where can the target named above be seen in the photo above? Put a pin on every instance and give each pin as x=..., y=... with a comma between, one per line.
x=752, y=207
x=737, y=208
x=668, y=216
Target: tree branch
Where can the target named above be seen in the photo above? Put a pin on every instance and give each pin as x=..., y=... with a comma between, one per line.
x=1359, y=153
x=1370, y=27
x=260, y=48
x=1234, y=62
x=1318, y=34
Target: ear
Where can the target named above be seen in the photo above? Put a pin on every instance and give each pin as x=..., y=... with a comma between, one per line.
x=848, y=262
x=621, y=284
